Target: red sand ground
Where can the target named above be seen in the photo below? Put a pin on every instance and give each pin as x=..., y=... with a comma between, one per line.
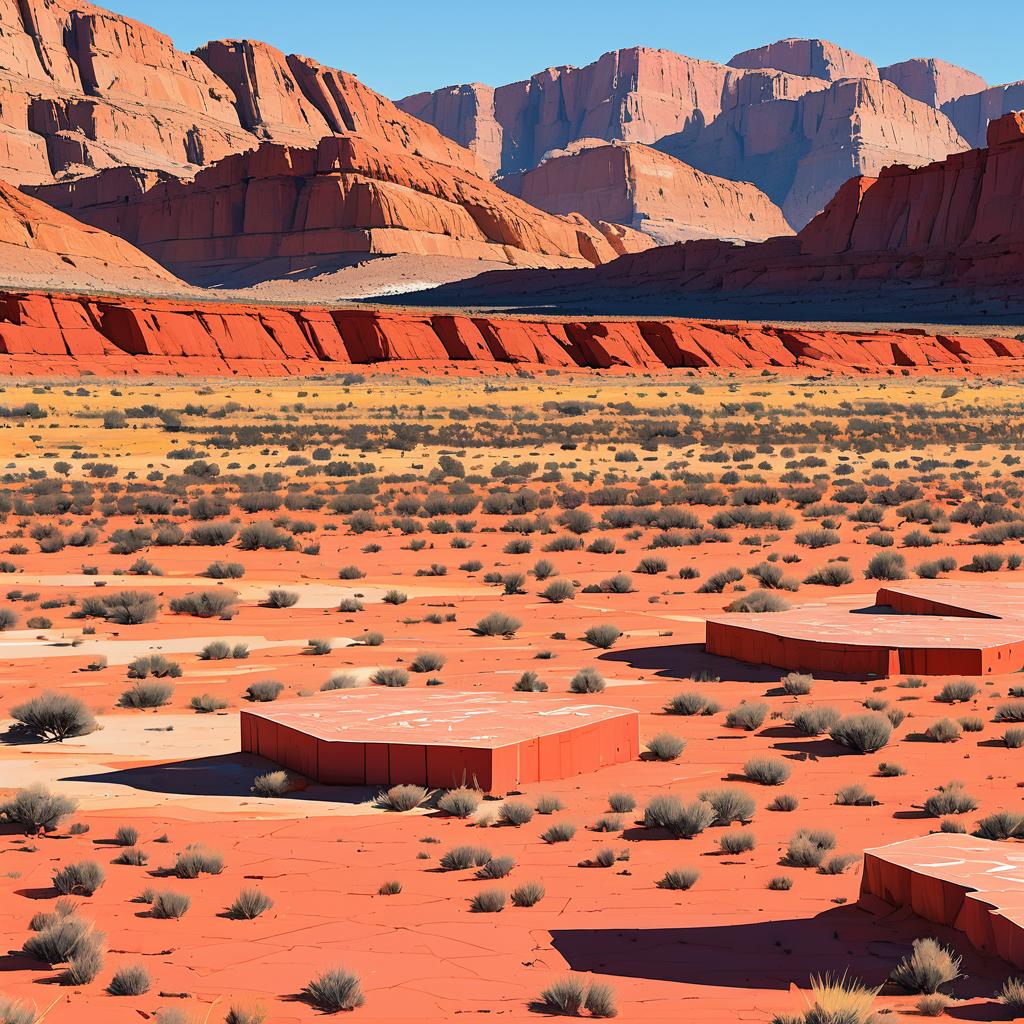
x=728, y=948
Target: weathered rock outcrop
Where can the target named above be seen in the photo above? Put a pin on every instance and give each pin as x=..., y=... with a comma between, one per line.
x=932, y=81
x=45, y=334
x=808, y=58
x=796, y=118
x=799, y=151
x=83, y=89
x=41, y=247
x=306, y=208
x=634, y=95
x=650, y=191
x=973, y=113
x=951, y=233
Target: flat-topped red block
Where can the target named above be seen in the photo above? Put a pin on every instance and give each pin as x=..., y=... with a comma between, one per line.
x=382, y=737
x=974, y=885
x=931, y=628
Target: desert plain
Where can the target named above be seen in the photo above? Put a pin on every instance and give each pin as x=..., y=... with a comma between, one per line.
x=175, y=551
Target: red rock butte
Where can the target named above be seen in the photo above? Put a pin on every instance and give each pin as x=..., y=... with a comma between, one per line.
x=46, y=334
x=971, y=884
x=440, y=740
x=931, y=628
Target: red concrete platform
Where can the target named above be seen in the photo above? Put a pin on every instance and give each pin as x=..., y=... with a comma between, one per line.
x=974, y=885
x=382, y=737
x=929, y=628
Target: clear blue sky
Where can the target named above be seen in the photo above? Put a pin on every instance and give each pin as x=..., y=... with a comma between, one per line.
x=403, y=46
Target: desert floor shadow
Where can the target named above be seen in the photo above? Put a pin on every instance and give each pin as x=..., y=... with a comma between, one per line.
x=679, y=661
x=765, y=954
x=220, y=775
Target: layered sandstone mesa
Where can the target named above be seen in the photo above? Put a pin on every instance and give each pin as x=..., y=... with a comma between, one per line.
x=948, y=236
x=932, y=81
x=637, y=186
x=83, y=89
x=972, y=113
x=800, y=150
x=808, y=58
x=634, y=95
x=464, y=113
x=43, y=248
x=281, y=209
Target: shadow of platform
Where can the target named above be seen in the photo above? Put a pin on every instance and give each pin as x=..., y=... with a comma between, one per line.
x=223, y=775
x=766, y=954
x=679, y=661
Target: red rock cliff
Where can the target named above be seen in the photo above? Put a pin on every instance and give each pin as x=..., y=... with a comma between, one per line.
x=49, y=335
x=650, y=191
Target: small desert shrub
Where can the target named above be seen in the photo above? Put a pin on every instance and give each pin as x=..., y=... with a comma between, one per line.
x=272, y=784
x=515, y=812
x=784, y=802
x=681, y=820
x=587, y=680
x=391, y=677
x=404, y=797
x=53, y=716
x=926, y=968
x=740, y=841
x=768, y=771
x=14, y=1012
x=461, y=802
x=1012, y=993
x=392, y=888
x=169, y=905
x=527, y=894
x=749, y=716
x=529, y=682
x=569, y=996
x=496, y=867
x=814, y=721
x=58, y=940
x=126, y=835
x=249, y=904
x=891, y=770
x=1001, y=825
x=780, y=883
x=132, y=856
x=82, y=879
x=730, y=805
x=855, y=795
x=797, y=684
x=460, y=858
x=560, y=832
x=547, y=804
x=132, y=980
x=945, y=730
x=264, y=690
x=837, y=864
x=488, y=901
x=335, y=990
x=146, y=695
x=1014, y=738
x=427, y=661
x=1013, y=712
x=758, y=601
x=832, y=575
x=862, y=733
x=395, y=597
x=958, y=692
x=665, y=746
x=558, y=591
x=680, y=879
x=207, y=703
x=807, y=849
x=603, y=636
x=622, y=803
x=195, y=861
x=36, y=809
x=497, y=624
x=225, y=571
x=206, y=604
x=691, y=704
x=886, y=566
x=278, y=598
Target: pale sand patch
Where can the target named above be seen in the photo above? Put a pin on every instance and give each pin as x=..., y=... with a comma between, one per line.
x=191, y=766
x=311, y=595
x=21, y=644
